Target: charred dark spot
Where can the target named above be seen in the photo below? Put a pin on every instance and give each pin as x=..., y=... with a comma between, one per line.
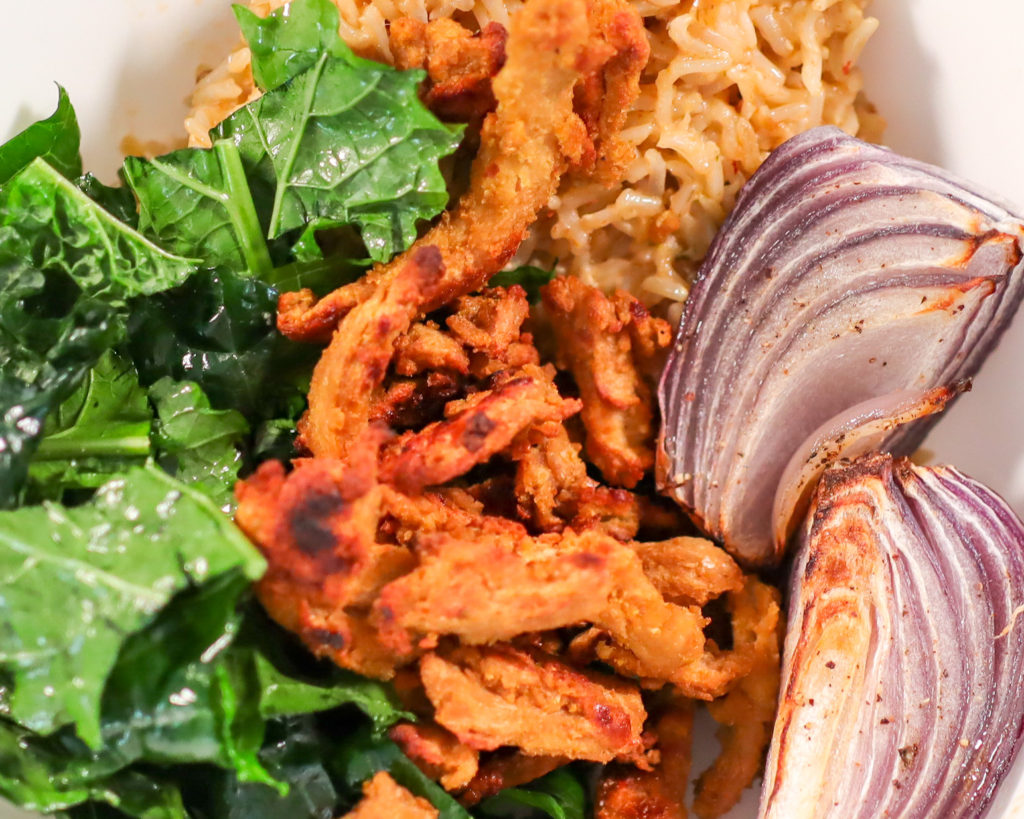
x=478, y=427
x=812, y=563
x=385, y=613
x=611, y=721
x=376, y=368
x=908, y=754
x=638, y=311
x=587, y=560
x=309, y=520
x=323, y=637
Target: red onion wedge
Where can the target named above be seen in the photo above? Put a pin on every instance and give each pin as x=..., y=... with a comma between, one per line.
x=904, y=661
x=848, y=285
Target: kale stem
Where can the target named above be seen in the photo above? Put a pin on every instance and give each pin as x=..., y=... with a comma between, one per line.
x=242, y=210
x=55, y=449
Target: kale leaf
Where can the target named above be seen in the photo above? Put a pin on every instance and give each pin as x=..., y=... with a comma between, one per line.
x=197, y=444
x=363, y=754
x=67, y=269
x=55, y=139
x=559, y=795
x=198, y=202
x=101, y=572
x=50, y=226
x=40, y=774
x=218, y=330
x=294, y=754
x=346, y=142
x=175, y=696
x=170, y=698
x=282, y=695
x=336, y=141
x=530, y=278
x=290, y=39
x=101, y=429
x=45, y=359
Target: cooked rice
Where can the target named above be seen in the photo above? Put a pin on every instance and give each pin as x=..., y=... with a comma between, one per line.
x=728, y=81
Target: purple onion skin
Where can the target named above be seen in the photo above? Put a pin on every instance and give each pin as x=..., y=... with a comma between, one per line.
x=904, y=662
x=847, y=280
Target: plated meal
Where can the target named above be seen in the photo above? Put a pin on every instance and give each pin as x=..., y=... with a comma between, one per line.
x=483, y=394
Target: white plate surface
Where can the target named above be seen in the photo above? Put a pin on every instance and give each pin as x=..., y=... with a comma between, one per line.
x=946, y=73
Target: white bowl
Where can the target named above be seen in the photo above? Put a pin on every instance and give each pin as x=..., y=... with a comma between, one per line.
x=945, y=73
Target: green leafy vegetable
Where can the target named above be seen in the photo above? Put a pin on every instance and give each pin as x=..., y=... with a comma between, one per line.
x=106, y=426
x=290, y=39
x=559, y=795
x=45, y=359
x=337, y=140
x=171, y=698
x=294, y=754
x=38, y=774
x=363, y=755
x=48, y=224
x=119, y=202
x=55, y=139
x=198, y=444
x=218, y=330
x=282, y=695
x=101, y=429
x=274, y=439
x=100, y=572
x=346, y=142
x=67, y=268
x=530, y=278
x=198, y=202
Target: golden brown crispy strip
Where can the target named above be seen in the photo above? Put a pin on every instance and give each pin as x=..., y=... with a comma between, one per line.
x=498, y=696
x=345, y=637
x=526, y=144
x=594, y=344
x=608, y=90
x=507, y=768
x=553, y=489
x=746, y=714
x=484, y=587
x=486, y=425
x=348, y=375
x=741, y=759
x=437, y=753
x=317, y=528
x=712, y=674
x=414, y=402
x=755, y=611
x=459, y=64
x=426, y=348
x=481, y=589
x=625, y=793
x=383, y=798
x=689, y=570
x=412, y=516
x=490, y=321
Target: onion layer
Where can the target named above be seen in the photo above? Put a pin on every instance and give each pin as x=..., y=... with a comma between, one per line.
x=903, y=666
x=847, y=280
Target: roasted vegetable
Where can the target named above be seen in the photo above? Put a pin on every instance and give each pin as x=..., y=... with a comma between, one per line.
x=851, y=290
x=904, y=660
